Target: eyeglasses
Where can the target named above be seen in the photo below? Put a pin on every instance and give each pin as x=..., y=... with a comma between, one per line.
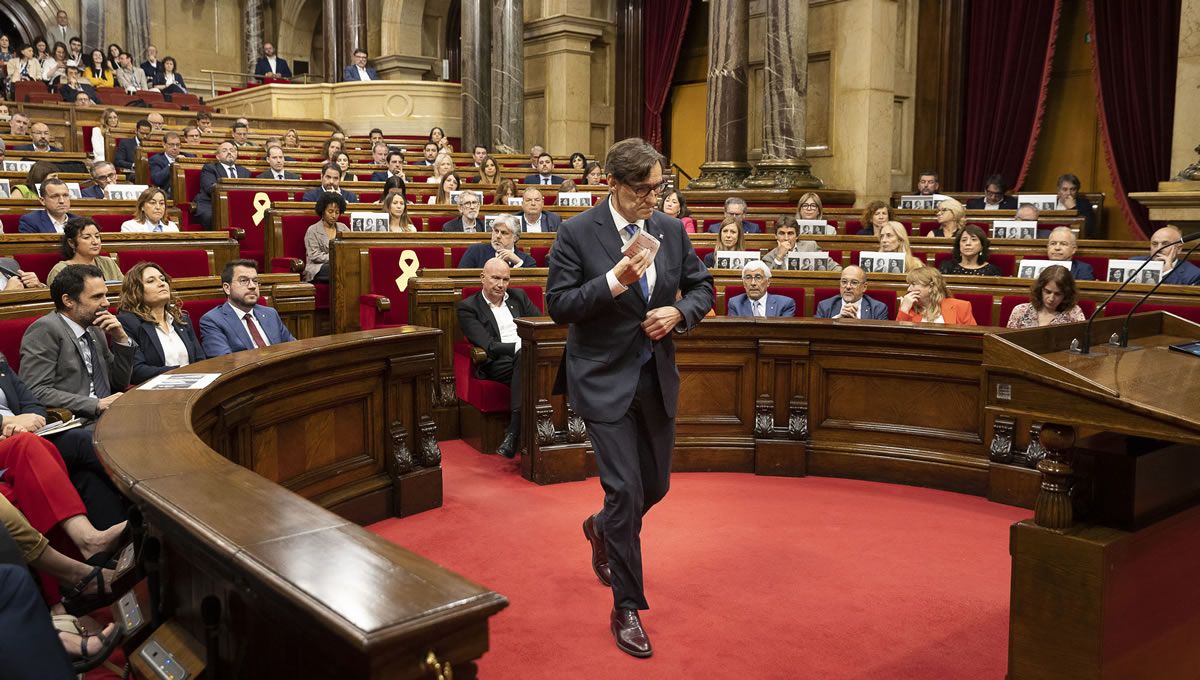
x=246, y=281
x=809, y=205
x=644, y=190
x=852, y=282
x=754, y=278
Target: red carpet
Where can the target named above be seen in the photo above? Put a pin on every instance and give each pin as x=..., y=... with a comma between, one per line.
x=747, y=577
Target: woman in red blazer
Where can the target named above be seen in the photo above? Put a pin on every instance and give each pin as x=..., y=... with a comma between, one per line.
x=927, y=300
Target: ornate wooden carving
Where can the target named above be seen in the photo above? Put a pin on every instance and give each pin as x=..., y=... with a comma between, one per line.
x=576, y=430
x=400, y=454
x=1035, y=452
x=1053, y=508
x=430, y=455
x=764, y=417
x=545, y=423
x=1001, y=450
x=798, y=418
x=448, y=397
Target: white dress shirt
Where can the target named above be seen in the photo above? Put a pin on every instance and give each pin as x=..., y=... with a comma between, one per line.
x=536, y=227
x=174, y=351
x=504, y=321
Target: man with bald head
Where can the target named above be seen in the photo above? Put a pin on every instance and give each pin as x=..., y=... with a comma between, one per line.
x=488, y=320
x=1061, y=247
x=533, y=216
x=1176, y=271
x=852, y=302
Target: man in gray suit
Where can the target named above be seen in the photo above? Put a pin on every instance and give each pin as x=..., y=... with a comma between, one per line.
x=65, y=357
x=619, y=363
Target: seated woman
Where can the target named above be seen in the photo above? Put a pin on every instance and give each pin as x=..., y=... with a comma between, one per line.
x=893, y=238
x=342, y=160
x=1051, y=301
x=331, y=148
x=396, y=207
x=448, y=184
x=38, y=173
x=330, y=207
x=96, y=70
x=291, y=139
x=874, y=217
x=809, y=207
x=674, y=204
x=928, y=301
x=578, y=160
x=729, y=237
x=150, y=213
x=489, y=172
x=172, y=79
x=152, y=316
x=80, y=244
x=109, y=121
x=593, y=174
x=970, y=254
x=442, y=165
x=950, y=215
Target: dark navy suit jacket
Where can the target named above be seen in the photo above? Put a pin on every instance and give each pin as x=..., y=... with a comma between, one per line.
x=829, y=308
x=92, y=192
x=37, y=222
x=20, y=398
x=777, y=305
x=478, y=254
x=224, y=333
x=314, y=193
x=160, y=171
x=351, y=73
x=537, y=179
x=149, y=359
x=262, y=67
x=747, y=226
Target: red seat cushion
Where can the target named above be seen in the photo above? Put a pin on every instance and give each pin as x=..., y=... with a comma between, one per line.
x=456, y=255
x=38, y=263
x=981, y=307
x=385, y=269
x=110, y=223
x=1099, y=265
x=191, y=184
x=539, y=254
x=488, y=396
x=198, y=308
x=11, y=222
x=11, y=333
x=176, y=263
x=1006, y=263
x=436, y=222
x=796, y=294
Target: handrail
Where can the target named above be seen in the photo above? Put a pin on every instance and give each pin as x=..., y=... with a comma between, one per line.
x=676, y=168
x=250, y=77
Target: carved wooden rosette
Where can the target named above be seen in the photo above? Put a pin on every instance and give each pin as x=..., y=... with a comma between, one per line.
x=1001, y=450
x=798, y=419
x=545, y=423
x=1035, y=452
x=429, y=454
x=1053, y=508
x=764, y=417
x=401, y=456
x=576, y=430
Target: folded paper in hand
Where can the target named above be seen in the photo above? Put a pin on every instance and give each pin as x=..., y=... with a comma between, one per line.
x=642, y=240
x=59, y=426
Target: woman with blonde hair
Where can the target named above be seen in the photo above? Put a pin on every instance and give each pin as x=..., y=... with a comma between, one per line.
x=150, y=311
x=928, y=301
x=893, y=238
x=809, y=207
x=109, y=120
x=442, y=165
x=950, y=215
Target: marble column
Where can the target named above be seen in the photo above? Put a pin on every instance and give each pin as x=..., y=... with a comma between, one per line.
x=354, y=13
x=476, y=74
x=331, y=29
x=725, y=163
x=508, y=76
x=252, y=25
x=91, y=14
x=785, y=89
x=559, y=49
x=1185, y=137
x=137, y=29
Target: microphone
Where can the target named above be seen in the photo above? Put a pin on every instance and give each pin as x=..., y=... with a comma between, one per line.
x=1124, y=340
x=1085, y=346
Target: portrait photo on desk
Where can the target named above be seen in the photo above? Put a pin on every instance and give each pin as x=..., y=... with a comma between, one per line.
x=574, y=199
x=1122, y=271
x=124, y=192
x=877, y=262
x=1039, y=201
x=735, y=259
x=814, y=261
x=1014, y=229
x=815, y=228
x=368, y=221
x=5, y=190
x=1031, y=268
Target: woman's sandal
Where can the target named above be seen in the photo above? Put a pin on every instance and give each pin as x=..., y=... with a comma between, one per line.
x=135, y=531
x=69, y=624
x=77, y=602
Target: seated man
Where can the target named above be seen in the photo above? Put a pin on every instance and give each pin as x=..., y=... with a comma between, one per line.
x=158, y=124
x=127, y=148
x=1061, y=247
x=331, y=180
x=12, y=277
x=395, y=167
x=1069, y=199
x=269, y=65
x=204, y=123
x=39, y=135
x=226, y=167
x=379, y=152
x=241, y=323
x=927, y=183
x=278, y=163
x=756, y=301
x=478, y=154
x=487, y=319
x=545, y=172
x=429, y=154
x=533, y=217
x=994, y=198
x=736, y=208
x=853, y=303
x=503, y=246
x=1176, y=272
x=74, y=86
x=786, y=236
x=468, y=214
x=18, y=125
x=56, y=198
x=240, y=133
x=160, y=164
x=65, y=357
x=128, y=76
x=103, y=174
x=359, y=69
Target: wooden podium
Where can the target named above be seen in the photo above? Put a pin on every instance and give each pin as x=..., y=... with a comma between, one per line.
x=1105, y=577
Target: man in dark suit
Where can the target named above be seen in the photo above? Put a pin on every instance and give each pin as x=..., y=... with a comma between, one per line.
x=736, y=208
x=1061, y=246
x=271, y=66
x=545, y=172
x=619, y=363
x=468, y=215
x=278, y=163
x=56, y=198
x=160, y=163
x=994, y=196
x=503, y=245
x=153, y=68
x=331, y=180
x=533, y=216
x=127, y=148
x=853, y=302
x=39, y=136
x=241, y=323
x=487, y=319
x=359, y=69
x=103, y=174
x=756, y=301
x=226, y=167
x=428, y=154
x=395, y=167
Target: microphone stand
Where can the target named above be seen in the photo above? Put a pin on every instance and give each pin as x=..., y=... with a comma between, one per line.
x=1123, y=341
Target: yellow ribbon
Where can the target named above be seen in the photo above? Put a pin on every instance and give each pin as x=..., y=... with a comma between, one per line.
x=262, y=203
x=408, y=269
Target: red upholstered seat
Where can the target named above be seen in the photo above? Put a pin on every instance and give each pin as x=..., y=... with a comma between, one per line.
x=176, y=263
x=1191, y=313
x=198, y=308
x=796, y=294
x=456, y=255
x=11, y=222
x=241, y=216
x=384, y=266
x=926, y=227
x=887, y=297
x=488, y=396
x=1006, y=263
x=38, y=263
x=1099, y=265
x=110, y=223
x=436, y=222
x=539, y=254
x=981, y=307
x=191, y=184
x=704, y=251
x=11, y=332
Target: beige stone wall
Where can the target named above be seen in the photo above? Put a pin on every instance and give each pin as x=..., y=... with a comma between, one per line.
x=1186, y=134
x=200, y=35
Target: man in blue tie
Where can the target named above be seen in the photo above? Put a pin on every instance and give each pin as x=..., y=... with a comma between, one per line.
x=756, y=301
x=545, y=172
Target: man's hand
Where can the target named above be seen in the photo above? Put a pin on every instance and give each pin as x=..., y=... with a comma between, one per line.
x=1068, y=202
x=107, y=401
x=508, y=256
x=849, y=311
x=28, y=279
x=661, y=321
x=109, y=324
x=28, y=422
x=630, y=269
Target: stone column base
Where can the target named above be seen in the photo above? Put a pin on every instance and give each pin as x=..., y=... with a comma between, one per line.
x=721, y=175
x=785, y=173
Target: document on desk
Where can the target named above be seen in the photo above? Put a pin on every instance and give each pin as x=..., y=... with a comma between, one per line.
x=641, y=240
x=180, y=381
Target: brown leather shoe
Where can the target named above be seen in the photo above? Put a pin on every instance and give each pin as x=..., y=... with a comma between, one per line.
x=631, y=637
x=599, y=551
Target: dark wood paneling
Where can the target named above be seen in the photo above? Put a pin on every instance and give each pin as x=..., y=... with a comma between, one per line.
x=938, y=110
x=630, y=97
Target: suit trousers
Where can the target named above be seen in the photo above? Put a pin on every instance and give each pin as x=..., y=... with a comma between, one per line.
x=29, y=646
x=634, y=458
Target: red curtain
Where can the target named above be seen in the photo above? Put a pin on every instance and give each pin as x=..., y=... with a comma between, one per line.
x=1010, y=47
x=1135, y=47
x=662, y=36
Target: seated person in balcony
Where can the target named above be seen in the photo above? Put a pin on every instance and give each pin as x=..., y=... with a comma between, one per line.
x=875, y=215
x=488, y=320
x=56, y=199
x=96, y=70
x=1176, y=272
x=545, y=172
x=38, y=173
x=12, y=277
x=396, y=207
x=80, y=244
x=359, y=69
x=1061, y=247
x=928, y=301
x=103, y=174
x=893, y=238
x=395, y=167
x=736, y=208
x=74, y=84
x=278, y=165
x=241, y=323
x=331, y=180
x=171, y=79
x=65, y=357
x=928, y=183
x=1051, y=301
x=39, y=139
x=127, y=148
x=756, y=301
x=468, y=214
x=949, y=215
x=150, y=214
x=160, y=163
x=994, y=196
x=152, y=67
x=969, y=257
x=1069, y=199
x=786, y=236
x=152, y=315
x=329, y=208
x=853, y=302
x=226, y=167
x=533, y=216
x=129, y=77
x=270, y=65
x=503, y=245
